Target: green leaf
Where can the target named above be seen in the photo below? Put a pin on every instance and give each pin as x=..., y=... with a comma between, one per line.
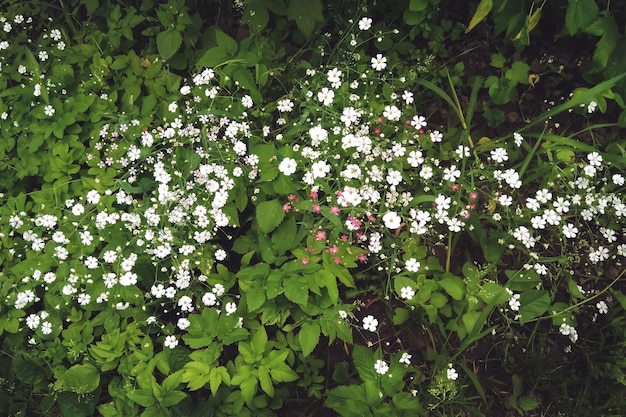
x=142, y=397
x=306, y=14
x=172, y=398
x=483, y=9
x=248, y=388
x=309, y=337
x=266, y=380
x=534, y=303
x=454, y=286
x=580, y=14
x=80, y=379
x=226, y=43
x=364, y=363
x=418, y=5
x=283, y=373
x=168, y=43
x=607, y=43
x=258, y=341
x=296, y=289
x=491, y=291
x=269, y=214
x=527, y=403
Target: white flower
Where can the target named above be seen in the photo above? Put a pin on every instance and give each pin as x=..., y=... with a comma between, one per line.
x=220, y=254
x=288, y=166
x=451, y=373
x=392, y=220
x=183, y=323
x=49, y=110
x=326, y=96
x=418, y=122
x=381, y=367
x=602, y=307
x=379, y=62
x=407, y=293
x=412, y=265
x=592, y=107
x=392, y=113
x=365, y=23
x=451, y=174
x=320, y=169
x=543, y=196
x=93, y=197
x=570, y=231
x=406, y=358
x=595, y=159
x=43, y=55
x=170, y=342
x=618, y=179
x=370, y=323
x=407, y=96
x=499, y=155
x=285, y=105
x=334, y=77
x=247, y=102
x=505, y=200
x=46, y=327
x=436, y=136
x=230, y=308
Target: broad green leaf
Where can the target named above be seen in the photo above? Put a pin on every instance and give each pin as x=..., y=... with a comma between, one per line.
x=226, y=43
x=266, y=380
x=248, y=388
x=296, y=289
x=533, y=304
x=168, y=43
x=307, y=15
x=453, y=285
x=80, y=379
x=580, y=14
x=491, y=291
x=364, y=363
x=283, y=237
x=258, y=341
x=527, y=403
x=142, y=397
x=469, y=320
x=283, y=373
x=483, y=9
x=418, y=5
x=269, y=214
x=607, y=43
x=309, y=337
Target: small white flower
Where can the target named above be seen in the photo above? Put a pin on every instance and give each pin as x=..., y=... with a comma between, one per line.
x=379, y=62
x=247, y=102
x=407, y=293
x=407, y=96
x=381, y=367
x=370, y=323
x=230, y=308
x=365, y=23
x=288, y=166
x=602, y=307
x=49, y=110
x=412, y=265
x=451, y=373
x=172, y=107
x=170, y=342
x=406, y=358
x=326, y=96
x=392, y=220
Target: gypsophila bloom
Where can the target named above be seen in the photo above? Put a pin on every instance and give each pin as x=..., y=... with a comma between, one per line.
x=499, y=155
x=326, y=96
x=406, y=358
x=407, y=293
x=247, y=102
x=370, y=323
x=49, y=110
x=412, y=265
x=451, y=373
x=407, y=96
x=170, y=342
x=392, y=220
x=365, y=23
x=379, y=62
x=381, y=367
x=602, y=307
x=287, y=166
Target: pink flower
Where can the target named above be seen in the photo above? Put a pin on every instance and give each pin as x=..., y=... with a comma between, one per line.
x=316, y=208
x=473, y=195
x=334, y=210
x=286, y=207
x=337, y=260
x=313, y=194
x=344, y=238
x=454, y=187
x=305, y=261
x=465, y=214
x=320, y=235
x=333, y=250
x=362, y=258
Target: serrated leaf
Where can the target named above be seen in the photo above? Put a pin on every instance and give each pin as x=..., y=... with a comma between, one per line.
x=142, y=397
x=168, y=43
x=309, y=337
x=269, y=214
x=580, y=14
x=266, y=380
x=81, y=379
x=454, y=286
x=296, y=289
x=306, y=14
x=533, y=304
x=364, y=363
x=483, y=9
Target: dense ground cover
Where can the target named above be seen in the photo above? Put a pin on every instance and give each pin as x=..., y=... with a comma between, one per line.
x=303, y=208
